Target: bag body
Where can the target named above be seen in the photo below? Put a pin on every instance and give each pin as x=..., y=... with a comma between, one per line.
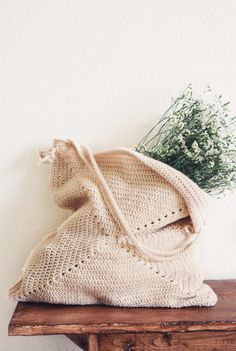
x=131, y=238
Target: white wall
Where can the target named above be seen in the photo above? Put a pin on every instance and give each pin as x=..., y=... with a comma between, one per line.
x=100, y=72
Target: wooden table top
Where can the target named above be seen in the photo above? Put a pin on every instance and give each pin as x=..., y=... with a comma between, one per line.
x=45, y=319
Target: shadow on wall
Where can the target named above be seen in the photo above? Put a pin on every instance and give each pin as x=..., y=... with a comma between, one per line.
x=30, y=212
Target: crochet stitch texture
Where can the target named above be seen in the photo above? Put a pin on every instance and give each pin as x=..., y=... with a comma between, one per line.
x=130, y=239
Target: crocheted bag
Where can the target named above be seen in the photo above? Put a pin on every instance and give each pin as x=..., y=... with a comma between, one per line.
x=130, y=239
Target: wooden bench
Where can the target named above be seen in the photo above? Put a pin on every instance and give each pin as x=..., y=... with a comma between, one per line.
x=100, y=328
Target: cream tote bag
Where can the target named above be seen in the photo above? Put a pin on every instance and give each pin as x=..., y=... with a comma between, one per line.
x=130, y=239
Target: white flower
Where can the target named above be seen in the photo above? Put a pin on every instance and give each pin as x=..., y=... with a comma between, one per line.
x=201, y=135
x=195, y=147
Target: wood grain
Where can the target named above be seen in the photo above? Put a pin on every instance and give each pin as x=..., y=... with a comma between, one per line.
x=93, y=343
x=196, y=341
x=44, y=319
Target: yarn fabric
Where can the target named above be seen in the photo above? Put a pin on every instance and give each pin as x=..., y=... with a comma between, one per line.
x=130, y=238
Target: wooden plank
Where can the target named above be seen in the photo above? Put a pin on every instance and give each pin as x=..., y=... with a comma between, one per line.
x=196, y=341
x=93, y=343
x=41, y=319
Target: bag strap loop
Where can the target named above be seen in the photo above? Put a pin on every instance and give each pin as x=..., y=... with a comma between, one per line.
x=155, y=255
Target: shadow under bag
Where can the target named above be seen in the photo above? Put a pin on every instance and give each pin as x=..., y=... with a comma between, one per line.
x=130, y=239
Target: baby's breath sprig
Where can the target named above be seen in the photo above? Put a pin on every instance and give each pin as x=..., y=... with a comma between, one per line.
x=198, y=138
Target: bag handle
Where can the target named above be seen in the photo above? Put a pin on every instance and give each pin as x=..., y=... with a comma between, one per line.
x=155, y=255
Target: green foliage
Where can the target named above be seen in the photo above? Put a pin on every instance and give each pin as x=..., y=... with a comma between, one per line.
x=198, y=138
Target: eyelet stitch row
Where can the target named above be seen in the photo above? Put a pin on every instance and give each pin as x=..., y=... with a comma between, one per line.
x=159, y=219
x=44, y=286
x=128, y=250
x=82, y=262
